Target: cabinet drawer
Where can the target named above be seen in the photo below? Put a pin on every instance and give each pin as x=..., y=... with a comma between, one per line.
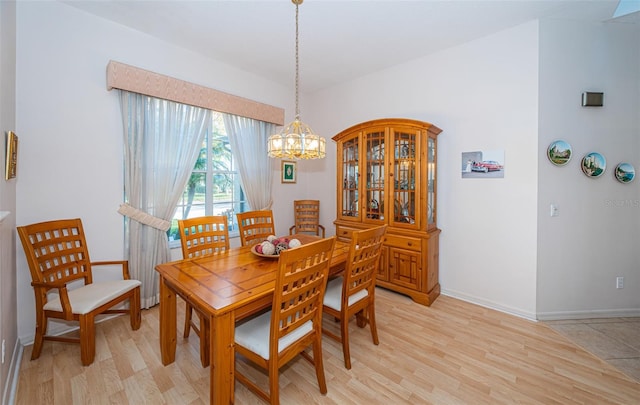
x=343, y=232
x=403, y=242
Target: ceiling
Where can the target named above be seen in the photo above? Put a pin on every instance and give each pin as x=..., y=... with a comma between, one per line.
x=339, y=40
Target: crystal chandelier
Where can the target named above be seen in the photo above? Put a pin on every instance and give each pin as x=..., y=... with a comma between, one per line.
x=296, y=140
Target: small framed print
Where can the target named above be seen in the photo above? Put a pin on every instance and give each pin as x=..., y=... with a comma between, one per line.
x=288, y=172
x=12, y=155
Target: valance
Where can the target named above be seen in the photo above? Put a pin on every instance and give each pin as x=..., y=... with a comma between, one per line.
x=131, y=78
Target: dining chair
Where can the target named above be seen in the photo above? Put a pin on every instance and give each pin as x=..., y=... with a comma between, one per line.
x=59, y=262
x=202, y=236
x=294, y=321
x=354, y=292
x=306, y=215
x=255, y=226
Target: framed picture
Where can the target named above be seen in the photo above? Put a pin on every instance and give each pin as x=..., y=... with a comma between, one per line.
x=288, y=172
x=12, y=155
x=482, y=164
x=559, y=153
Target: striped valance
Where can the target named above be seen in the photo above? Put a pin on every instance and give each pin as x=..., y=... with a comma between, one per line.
x=131, y=78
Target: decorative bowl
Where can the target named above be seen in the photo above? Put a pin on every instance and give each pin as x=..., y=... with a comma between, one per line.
x=273, y=256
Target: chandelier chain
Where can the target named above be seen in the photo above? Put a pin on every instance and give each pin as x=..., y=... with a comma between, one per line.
x=297, y=67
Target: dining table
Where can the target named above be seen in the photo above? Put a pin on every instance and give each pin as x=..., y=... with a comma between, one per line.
x=224, y=288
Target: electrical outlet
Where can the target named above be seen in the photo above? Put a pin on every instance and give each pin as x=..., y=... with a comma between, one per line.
x=619, y=282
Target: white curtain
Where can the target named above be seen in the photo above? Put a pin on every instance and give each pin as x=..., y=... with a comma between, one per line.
x=162, y=140
x=248, y=141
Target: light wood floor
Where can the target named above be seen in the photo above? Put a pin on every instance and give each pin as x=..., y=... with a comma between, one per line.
x=450, y=353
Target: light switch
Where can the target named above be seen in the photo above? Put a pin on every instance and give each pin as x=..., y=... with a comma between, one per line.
x=554, y=210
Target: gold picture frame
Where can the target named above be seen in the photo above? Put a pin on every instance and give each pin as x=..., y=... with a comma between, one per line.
x=11, y=156
x=288, y=172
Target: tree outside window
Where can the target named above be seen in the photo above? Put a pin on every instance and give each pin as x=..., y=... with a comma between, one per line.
x=214, y=187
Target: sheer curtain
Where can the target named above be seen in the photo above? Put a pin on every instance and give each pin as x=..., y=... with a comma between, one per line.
x=162, y=140
x=248, y=141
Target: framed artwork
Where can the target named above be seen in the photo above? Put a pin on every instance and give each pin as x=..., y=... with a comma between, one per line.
x=12, y=155
x=559, y=153
x=593, y=164
x=483, y=164
x=625, y=172
x=288, y=172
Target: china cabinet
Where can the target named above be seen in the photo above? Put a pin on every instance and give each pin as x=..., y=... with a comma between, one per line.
x=386, y=174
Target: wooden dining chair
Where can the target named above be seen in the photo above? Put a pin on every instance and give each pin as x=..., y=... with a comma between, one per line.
x=306, y=215
x=295, y=320
x=354, y=292
x=255, y=226
x=59, y=262
x=202, y=236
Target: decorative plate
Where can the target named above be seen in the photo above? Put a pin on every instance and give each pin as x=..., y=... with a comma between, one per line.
x=559, y=153
x=253, y=250
x=593, y=164
x=625, y=172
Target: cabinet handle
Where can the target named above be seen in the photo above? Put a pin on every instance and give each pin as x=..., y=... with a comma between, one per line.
x=409, y=244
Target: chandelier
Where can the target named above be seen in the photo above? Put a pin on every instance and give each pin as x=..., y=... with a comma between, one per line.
x=296, y=140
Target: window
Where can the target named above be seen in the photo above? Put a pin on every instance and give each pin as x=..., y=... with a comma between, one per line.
x=214, y=186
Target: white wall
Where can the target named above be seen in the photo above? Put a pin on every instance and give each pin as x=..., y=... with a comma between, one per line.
x=595, y=237
x=70, y=126
x=483, y=95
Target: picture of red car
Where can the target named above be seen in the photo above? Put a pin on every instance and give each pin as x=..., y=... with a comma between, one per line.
x=486, y=166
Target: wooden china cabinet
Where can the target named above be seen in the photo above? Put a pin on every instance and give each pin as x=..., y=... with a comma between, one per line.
x=387, y=175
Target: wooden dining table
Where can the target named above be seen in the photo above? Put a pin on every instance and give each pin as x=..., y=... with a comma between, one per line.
x=224, y=288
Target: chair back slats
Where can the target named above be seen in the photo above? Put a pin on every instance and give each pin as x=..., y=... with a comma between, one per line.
x=255, y=226
x=203, y=236
x=307, y=217
x=56, y=251
x=363, y=262
x=302, y=278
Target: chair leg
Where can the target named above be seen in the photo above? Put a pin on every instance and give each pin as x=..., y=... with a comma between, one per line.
x=134, y=310
x=274, y=393
x=317, y=361
x=372, y=323
x=87, y=339
x=41, y=330
x=188, y=311
x=344, y=336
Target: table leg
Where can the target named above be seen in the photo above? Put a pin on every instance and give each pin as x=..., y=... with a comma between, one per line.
x=167, y=323
x=222, y=359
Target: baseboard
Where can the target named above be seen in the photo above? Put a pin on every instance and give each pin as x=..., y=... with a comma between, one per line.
x=9, y=394
x=545, y=316
x=589, y=314
x=489, y=304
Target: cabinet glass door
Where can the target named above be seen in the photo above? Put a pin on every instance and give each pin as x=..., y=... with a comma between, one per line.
x=431, y=182
x=350, y=178
x=405, y=177
x=375, y=180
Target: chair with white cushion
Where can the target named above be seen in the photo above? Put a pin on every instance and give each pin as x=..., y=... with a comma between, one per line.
x=59, y=262
x=295, y=320
x=354, y=292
